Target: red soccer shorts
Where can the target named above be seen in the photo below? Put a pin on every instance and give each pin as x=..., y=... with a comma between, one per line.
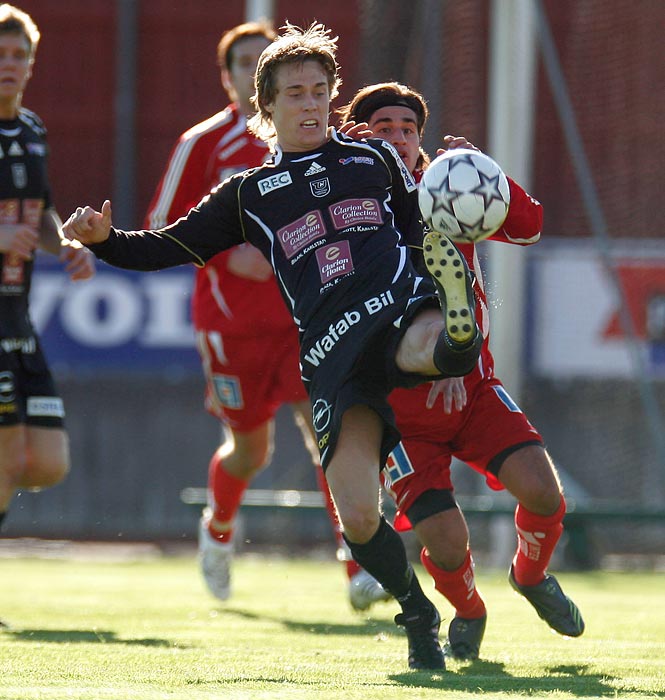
x=490, y=423
x=249, y=378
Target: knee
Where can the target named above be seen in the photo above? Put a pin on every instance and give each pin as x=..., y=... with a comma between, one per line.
x=359, y=523
x=44, y=473
x=247, y=460
x=446, y=537
x=530, y=475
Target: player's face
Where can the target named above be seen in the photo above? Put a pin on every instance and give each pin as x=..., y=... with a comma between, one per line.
x=15, y=65
x=300, y=108
x=245, y=56
x=399, y=127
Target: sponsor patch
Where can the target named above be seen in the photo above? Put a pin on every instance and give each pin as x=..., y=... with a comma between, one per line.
x=274, y=182
x=360, y=160
x=32, y=211
x=355, y=211
x=397, y=466
x=227, y=391
x=25, y=345
x=9, y=211
x=45, y=406
x=321, y=415
x=12, y=271
x=318, y=351
x=19, y=175
x=334, y=260
x=295, y=236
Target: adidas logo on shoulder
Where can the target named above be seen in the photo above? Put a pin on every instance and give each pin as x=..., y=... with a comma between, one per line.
x=314, y=169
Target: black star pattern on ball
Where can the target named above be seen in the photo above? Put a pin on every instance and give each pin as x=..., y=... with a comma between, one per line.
x=443, y=197
x=488, y=189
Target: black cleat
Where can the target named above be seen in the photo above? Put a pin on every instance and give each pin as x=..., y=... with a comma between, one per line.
x=458, y=348
x=422, y=631
x=464, y=638
x=552, y=605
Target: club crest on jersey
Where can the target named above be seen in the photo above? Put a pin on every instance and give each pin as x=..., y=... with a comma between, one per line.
x=19, y=175
x=274, y=182
x=320, y=188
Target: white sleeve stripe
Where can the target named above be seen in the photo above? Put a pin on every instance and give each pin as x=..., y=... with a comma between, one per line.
x=531, y=239
x=173, y=175
x=171, y=180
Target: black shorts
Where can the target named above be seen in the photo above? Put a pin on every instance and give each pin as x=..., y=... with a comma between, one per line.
x=27, y=391
x=353, y=363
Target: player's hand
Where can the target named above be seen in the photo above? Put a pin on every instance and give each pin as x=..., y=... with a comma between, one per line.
x=19, y=240
x=247, y=262
x=453, y=391
x=356, y=131
x=452, y=142
x=80, y=262
x=89, y=226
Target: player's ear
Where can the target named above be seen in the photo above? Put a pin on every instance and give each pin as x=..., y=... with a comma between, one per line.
x=227, y=83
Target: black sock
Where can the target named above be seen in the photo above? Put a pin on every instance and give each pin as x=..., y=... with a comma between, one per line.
x=456, y=362
x=384, y=558
x=2, y=517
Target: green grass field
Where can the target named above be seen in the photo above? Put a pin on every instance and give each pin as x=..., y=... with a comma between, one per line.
x=147, y=629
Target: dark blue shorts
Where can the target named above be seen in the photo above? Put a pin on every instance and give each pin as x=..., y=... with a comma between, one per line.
x=27, y=391
x=353, y=361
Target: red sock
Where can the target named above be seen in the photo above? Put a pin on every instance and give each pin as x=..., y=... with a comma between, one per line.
x=458, y=587
x=537, y=536
x=227, y=492
x=343, y=553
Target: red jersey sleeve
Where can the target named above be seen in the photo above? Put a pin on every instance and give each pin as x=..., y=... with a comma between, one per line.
x=181, y=186
x=524, y=221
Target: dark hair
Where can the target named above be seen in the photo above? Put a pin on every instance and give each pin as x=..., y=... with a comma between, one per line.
x=261, y=28
x=15, y=21
x=373, y=97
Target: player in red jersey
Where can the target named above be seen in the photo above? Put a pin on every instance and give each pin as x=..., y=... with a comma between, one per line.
x=34, y=446
x=240, y=319
x=480, y=424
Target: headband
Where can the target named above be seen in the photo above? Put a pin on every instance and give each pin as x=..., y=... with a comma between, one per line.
x=387, y=98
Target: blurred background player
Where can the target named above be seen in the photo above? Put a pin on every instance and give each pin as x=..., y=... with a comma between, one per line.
x=34, y=446
x=480, y=424
x=245, y=335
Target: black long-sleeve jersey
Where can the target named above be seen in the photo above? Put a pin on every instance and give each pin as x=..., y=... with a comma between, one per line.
x=24, y=194
x=334, y=223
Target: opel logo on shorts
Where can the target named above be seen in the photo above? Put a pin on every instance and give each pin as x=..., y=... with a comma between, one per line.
x=321, y=415
x=7, y=387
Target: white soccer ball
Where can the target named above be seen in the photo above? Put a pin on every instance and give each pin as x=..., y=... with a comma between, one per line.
x=464, y=194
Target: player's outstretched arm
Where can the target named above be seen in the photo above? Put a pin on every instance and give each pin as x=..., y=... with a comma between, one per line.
x=88, y=225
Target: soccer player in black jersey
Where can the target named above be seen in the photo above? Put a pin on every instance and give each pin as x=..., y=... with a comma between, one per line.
x=34, y=449
x=332, y=216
